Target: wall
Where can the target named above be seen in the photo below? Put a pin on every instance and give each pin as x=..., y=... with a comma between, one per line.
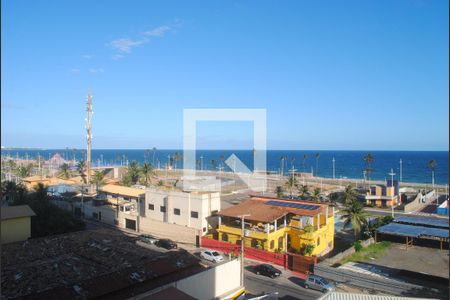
x=413, y=205
x=202, y=203
x=213, y=283
x=14, y=230
x=338, y=257
x=108, y=214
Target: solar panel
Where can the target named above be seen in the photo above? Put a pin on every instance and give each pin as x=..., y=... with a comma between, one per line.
x=412, y=231
x=293, y=205
x=423, y=221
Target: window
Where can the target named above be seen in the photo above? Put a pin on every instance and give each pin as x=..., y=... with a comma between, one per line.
x=272, y=244
x=162, y=209
x=280, y=242
x=254, y=243
x=151, y=206
x=176, y=211
x=194, y=214
x=204, y=229
x=224, y=237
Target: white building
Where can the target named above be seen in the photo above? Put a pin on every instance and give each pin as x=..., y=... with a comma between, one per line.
x=188, y=209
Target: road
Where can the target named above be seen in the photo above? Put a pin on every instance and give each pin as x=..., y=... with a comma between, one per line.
x=288, y=285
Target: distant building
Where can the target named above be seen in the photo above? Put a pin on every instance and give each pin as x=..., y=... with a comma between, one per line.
x=383, y=195
x=16, y=223
x=274, y=224
x=189, y=209
x=443, y=208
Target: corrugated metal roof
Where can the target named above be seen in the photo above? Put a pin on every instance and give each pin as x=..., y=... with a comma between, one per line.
x=423, y=221
x=412, y=231
x=353, y=296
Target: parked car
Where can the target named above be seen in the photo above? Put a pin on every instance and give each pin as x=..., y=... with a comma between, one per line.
x=211, y=255
x=147, y=238
x=267, y=270
x=166, y=244
x=318, y=283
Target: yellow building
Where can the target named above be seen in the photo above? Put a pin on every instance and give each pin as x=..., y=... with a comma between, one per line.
x=276, y=225
x=383, y=195
x=16, y=223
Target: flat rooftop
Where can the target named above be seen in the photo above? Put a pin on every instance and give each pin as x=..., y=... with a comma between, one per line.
x=88, y=264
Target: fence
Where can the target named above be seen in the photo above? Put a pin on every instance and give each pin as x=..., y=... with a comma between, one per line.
x=294, y=262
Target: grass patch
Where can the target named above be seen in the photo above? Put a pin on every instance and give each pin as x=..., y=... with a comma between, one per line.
x=371, y=251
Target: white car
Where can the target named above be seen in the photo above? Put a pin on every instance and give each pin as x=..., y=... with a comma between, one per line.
x=211, y=255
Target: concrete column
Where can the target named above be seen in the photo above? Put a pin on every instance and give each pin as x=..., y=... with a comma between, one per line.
x=318, y=221
x=326, y=216
x=284, y=221
x=276, y=227
x=219, y=221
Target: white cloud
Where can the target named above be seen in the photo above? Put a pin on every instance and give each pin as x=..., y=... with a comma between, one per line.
x=125, y=45
x=96, y=70
x=158, y=31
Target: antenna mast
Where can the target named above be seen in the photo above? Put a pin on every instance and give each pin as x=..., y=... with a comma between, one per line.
x=88, y=136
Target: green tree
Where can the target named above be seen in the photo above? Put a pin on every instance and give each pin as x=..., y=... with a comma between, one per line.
x=279, y=191
x=64, y=171
x=316, y=194
x=126, y=180
x=133, y=172
x=98, y=179
x=349, y=194
x=304, y=191
x=354, y=215
x=24, y=171
x=305, y=158
x=80, y=169
x=290, y=184
x=146, y=171
x=432, y=166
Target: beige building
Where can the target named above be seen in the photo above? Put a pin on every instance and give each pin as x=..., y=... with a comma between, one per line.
x=188, y=209
x=16, y=223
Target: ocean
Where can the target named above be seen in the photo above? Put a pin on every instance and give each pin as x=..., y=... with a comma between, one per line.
x=348, y=164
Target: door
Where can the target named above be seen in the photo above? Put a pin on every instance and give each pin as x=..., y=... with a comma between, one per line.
x=130, y=224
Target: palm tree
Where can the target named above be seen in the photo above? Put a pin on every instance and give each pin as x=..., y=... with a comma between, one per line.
x=176, y=158
x=80, y=169
x=316, y=194
x=432, y=167
x=133, y=172
x=368, y=159
x=279, y=191
x=154, y=152
x=24, y=171
x=354, y=215
x=317, y=163
x=64, y=171
x=305, y=157
x=146, y=171
x=349, y=194
x=41, y=191
x=213, y=163
x=291, y=183
x=304, y=191
x=281, y=165
x=98, y=179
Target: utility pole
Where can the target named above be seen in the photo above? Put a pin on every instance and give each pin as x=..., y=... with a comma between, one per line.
x=401, y=170
x=392, y=185
x=242, y=246
x=88, y=136
x=334, y=168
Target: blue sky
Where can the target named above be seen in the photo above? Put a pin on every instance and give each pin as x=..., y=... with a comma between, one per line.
x=369, y=75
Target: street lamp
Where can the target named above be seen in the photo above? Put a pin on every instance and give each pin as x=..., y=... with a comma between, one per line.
x=392, y=185
x=242, y=246
x=334, y=168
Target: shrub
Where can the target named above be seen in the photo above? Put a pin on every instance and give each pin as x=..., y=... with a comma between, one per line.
x=358, y=246
x=308, y=228
x=307, y=249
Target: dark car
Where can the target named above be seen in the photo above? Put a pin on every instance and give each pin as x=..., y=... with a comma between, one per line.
x=166, y=244
x=267, y=270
